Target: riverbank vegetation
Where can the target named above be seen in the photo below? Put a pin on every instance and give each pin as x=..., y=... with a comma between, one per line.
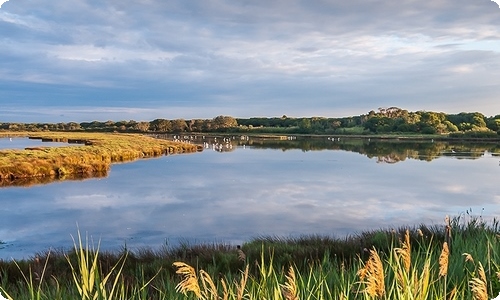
x=459, y=260
x=392, y=120
x=92, y=154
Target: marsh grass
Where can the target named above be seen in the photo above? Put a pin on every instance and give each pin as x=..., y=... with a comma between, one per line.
x=99, y=151
x=416, y=265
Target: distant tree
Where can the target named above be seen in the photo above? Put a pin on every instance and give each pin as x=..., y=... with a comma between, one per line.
x=73, y=126
x=161, y=125
x=198, y=125
x=494, y=124
x=179, y=125
x=142, y=126
x=224, y=122
x=450, y=127
x=432, y=122
x=305, y=125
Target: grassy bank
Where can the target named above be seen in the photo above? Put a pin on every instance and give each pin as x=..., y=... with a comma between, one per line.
x=93, y=158
x=459, y=260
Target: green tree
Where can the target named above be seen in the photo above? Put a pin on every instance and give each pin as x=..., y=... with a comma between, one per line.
x=224, y=122
x=305, y=125
x=161, y=125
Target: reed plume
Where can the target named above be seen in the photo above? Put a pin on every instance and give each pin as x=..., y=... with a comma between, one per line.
x=372, y=275
x=468, y=257
x=289, y=289
x=240, y=288
x=189, y=281
x=209, y=288
x=478, y=285
x=443, y=260
x=241, y=255
x=405, y=252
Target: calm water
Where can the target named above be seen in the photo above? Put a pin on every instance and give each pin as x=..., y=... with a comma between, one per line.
x=254, y=188
x=21, y=143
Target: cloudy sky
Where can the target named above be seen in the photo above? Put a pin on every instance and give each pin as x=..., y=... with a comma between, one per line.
x=84, y=60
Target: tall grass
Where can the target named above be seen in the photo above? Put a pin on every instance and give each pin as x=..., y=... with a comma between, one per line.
x=418, y=263
x=397, y=274
x=89, y=281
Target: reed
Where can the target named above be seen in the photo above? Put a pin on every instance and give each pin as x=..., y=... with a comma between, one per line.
x=412, y=267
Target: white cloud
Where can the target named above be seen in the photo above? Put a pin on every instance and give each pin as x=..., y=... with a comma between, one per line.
x=497, y=2
x=2, y=2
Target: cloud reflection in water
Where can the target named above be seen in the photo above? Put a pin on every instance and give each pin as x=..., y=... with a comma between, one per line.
x=232, y=197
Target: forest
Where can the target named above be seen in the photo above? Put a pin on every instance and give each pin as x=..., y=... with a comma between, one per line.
x=383, y=121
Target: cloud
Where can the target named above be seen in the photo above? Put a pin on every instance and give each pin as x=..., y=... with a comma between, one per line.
x=497, y=2
x=324, y=58
x=2, y=2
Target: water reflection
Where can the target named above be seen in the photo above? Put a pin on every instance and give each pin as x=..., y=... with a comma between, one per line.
x=252, y=190
x=31, y=181
x=24, y=142
x=385, y=150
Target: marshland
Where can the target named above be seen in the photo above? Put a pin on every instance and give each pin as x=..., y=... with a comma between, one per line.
x=100, y=152
x=309, y=204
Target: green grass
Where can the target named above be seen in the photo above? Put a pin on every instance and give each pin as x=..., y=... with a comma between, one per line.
x=410, y=260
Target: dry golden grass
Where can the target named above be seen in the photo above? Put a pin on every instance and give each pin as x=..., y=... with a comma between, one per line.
x=372, y=275
x=208, y=290
x=99, y=151
x=405, y=252
x=289, y=288
x=478, y=285
x=241, y=255
x=443, y=260
x=189, y=282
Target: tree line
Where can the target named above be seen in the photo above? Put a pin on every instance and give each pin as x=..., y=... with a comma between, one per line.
x=383, y=121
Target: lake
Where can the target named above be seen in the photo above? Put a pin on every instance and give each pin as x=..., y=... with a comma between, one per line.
x=239, y=188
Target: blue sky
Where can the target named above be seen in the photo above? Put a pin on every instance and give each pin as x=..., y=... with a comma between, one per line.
x=82, y=60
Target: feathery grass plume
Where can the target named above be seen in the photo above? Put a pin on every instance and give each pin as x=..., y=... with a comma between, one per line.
x=420, y=233
x=241, y=255
x=240, y=288
x=478, y=285
x=209, y=289
x=468, y=257
x=443, y=260
x=405, y=252
x=447, y=220
x=289, y=289
x=372, y=275
x=189, y=281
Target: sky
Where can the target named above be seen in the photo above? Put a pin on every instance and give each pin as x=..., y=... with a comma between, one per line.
x=85, y=60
